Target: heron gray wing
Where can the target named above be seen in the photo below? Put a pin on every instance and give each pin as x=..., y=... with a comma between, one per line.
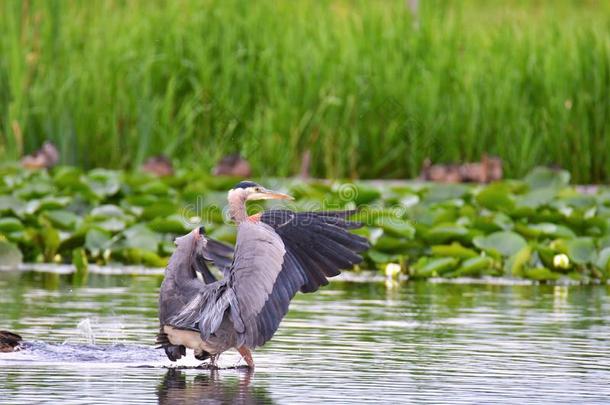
x=259, y=256
x=318, y=245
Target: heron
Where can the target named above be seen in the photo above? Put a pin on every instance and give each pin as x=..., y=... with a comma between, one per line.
x=278, y=252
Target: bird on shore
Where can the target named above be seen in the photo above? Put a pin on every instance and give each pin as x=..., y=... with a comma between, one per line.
x=9, y=341
x=278, y=253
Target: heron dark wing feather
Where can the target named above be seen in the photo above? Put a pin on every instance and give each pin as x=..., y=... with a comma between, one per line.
x=317, y=246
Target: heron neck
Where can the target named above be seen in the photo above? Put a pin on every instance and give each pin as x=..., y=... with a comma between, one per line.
x=237, y=208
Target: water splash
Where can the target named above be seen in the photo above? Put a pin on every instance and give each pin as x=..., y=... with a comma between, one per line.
x=86, y=330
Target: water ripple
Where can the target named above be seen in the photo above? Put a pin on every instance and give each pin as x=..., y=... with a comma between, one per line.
x=352, y=343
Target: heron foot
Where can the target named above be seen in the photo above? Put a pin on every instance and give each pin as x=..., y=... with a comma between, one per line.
x=208, y=366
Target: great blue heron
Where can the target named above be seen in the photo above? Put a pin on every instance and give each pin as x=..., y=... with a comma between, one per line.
x=277, y=253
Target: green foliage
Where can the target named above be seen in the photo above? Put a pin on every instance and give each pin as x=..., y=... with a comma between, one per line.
x=136, y=217
x=367, y=88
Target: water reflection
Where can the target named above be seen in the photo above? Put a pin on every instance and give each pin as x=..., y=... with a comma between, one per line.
x=208, y=387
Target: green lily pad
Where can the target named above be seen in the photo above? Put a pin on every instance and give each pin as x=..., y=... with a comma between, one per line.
x=171, y=224
x=103, y=182
x=381, y=257
x=541, y=274
x=390, y=244
x=141, y=256
x=159, y=209
x=446, y=233
x=496, y=197
x=141, y=237
x=8, y=203
x=96, y=241
x=112, y=225
x=543, y=177
x=473, y=267
x=9, y=224
x=62, y=219
x=517, y=262
x=155, y=187
x=603, y=260
x=10, y=255
x=453, y=250
x=144, y=200
x=444, y=192
x=581, y=250
x=433, y=267
x=505, y=243
x=546, y=229
x=68, y=177
x=107, y=211
x=396, y=227
x=537, y=197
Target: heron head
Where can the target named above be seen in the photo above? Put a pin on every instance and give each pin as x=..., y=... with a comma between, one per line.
x=249, y=191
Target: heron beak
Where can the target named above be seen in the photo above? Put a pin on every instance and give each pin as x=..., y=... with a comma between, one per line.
x=266, y=194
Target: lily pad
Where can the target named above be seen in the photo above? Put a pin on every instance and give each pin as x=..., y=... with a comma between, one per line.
x=8, y=203
x=443, y=192
x=474, y=266
x=396, y=227
x=446, y=232
x=171, y=224
x=96, y=241
x=10, y=255
x=496, y=197
x=603, y=260
x=103, y=182
x=62, y=219
x=9, y=224
x=543, y=177
x=453, y=250
x=581, y=250
x=541, y=274
x=505, y=243
x=141, y=237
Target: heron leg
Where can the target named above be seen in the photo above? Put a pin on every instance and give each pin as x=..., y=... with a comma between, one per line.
x=246, y=354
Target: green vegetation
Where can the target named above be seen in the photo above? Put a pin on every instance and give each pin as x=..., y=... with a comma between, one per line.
x=368, y=88
x=537, y=228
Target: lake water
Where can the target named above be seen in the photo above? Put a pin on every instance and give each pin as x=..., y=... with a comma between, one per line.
x=349, y=343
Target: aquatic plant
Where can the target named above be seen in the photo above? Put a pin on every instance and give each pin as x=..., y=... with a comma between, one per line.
x=366, y=87
x=538, y=228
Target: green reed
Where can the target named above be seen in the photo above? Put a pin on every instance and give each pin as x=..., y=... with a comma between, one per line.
x=370, y=89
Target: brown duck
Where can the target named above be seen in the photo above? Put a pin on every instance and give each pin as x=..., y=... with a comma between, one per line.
x=9, y=341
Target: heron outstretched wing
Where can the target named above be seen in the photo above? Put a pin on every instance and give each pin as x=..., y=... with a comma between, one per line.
x=318, y=245
x=315, y=246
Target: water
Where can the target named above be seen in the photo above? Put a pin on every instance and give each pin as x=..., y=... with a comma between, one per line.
x=350, y=343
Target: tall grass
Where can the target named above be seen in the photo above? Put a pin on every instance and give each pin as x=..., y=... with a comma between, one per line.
x=368, y=88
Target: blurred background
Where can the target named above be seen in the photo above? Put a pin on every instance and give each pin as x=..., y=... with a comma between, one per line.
x=357, y=89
